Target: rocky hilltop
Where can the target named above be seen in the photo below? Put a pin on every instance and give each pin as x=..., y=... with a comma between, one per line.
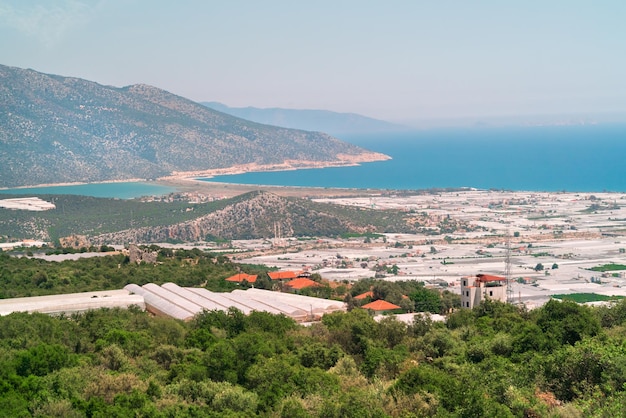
x=56, y=129
x=253, y=215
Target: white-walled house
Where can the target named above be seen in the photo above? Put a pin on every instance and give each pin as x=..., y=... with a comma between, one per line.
x=484, y=286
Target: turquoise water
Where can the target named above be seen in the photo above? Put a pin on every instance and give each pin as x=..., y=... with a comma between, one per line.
x=128, y=190
x=567, y=158
x=580, y=158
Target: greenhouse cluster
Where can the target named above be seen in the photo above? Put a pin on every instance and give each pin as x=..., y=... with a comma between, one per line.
x=178, y=302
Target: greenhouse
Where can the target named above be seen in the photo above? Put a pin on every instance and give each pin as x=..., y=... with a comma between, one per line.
x=73, y=302
x=178, y=302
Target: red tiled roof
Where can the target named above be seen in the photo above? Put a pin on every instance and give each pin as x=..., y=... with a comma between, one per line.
x=489, y=278
x=380, y=305
x=369, y=294
x=282, y=275
x=300, y=283
x=240, y=277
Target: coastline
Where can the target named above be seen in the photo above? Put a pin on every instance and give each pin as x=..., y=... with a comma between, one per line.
x=200, y=181
x=287, y=165
x=78, y=183
x=187, y=181
x=439, y=160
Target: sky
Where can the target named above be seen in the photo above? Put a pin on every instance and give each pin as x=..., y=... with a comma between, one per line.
x=397, y=60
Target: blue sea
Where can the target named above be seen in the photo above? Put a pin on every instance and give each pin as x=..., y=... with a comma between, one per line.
x=548, y=158
x=127, y=190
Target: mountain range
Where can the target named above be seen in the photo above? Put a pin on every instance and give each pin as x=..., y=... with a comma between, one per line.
x=56, y=129
x=333, y=123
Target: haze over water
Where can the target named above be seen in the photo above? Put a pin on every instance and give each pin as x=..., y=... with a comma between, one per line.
x=550, y=158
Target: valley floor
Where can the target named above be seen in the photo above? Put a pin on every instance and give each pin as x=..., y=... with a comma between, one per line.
x=554, y=240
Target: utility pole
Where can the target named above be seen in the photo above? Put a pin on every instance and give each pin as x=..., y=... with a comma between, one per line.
x=507, y=270
x=278, y=239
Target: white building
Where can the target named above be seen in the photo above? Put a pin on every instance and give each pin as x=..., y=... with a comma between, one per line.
x=484, y=286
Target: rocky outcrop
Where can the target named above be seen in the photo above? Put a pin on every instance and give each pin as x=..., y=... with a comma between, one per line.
x=255, y=215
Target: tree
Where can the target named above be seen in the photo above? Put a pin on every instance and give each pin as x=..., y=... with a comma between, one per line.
x=566, y=322
x=282, y=375
x=350, y=303
x=394, y=270
x=407, y=305
x=42, y=359
x=316, y=277
x=589, y=364
x=449, y=301
x=350, y=330
x=387, y=291
x=263, y=282
x=426, y=300
x=539, y=267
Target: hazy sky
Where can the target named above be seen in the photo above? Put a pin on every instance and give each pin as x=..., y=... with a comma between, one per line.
x=395, y=60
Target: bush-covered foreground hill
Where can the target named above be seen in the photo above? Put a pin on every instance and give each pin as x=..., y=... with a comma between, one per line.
x=495, y=361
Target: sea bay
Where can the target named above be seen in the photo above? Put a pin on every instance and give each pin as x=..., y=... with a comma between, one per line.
x=583, y=158
x=119, y=190
x=547, y=158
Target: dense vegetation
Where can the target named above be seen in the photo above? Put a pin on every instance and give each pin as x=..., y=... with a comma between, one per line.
x=85, y=215
x=560, y=360
x=23, y=276
x=563, y=359
x=410, y=295
x=250, y=215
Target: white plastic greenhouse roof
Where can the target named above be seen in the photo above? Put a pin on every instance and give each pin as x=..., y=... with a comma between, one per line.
x=73, y=302
x=220, y=298
x=263, y=298
x=308, y=303
x=185, y=302
x=178, y=302
x=159, y=305
x=204, y=303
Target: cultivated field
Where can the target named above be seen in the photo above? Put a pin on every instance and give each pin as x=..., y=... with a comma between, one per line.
x=553, y=240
